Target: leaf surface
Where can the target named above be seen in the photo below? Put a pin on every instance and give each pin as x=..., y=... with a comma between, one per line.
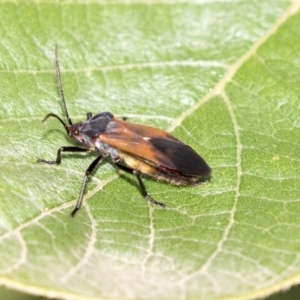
x=223, y=77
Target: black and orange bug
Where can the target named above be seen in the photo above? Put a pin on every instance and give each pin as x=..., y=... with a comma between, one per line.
x=133, y=148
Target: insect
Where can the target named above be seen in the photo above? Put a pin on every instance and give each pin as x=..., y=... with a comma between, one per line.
x=133, y=148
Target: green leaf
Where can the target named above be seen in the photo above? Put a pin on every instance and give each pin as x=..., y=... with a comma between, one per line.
x=223, y=77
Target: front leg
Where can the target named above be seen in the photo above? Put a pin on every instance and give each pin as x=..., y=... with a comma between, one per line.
x=59, y=151
x=84, y=182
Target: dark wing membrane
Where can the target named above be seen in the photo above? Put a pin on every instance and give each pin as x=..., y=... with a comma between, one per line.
x=185, y=159
x=155, y=146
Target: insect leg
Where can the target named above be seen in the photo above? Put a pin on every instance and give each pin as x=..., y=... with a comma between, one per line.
x=143, y=190
x=59, y=151
x=85, y=178
x=88, y=115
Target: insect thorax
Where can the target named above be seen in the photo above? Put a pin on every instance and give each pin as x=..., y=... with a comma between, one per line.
x=107, y=149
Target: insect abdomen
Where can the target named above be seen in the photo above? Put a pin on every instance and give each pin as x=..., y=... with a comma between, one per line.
x=160, y=172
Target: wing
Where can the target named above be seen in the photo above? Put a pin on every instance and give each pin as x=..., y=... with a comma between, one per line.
x=155, y=146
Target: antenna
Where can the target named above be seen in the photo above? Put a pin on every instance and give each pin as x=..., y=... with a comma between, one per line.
x=61, y=92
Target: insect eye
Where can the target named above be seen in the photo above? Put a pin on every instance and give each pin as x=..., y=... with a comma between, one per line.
x=75, y=133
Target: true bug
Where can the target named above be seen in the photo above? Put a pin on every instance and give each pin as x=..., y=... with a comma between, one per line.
x=133, y=148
